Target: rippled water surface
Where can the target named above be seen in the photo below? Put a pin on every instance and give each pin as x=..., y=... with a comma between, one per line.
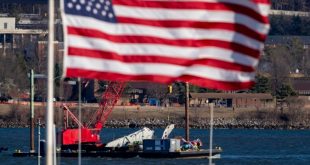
x=241, y=147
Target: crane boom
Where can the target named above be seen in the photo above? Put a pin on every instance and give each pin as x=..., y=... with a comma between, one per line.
x=68, y=113
x=90, y=132
x=109, y=99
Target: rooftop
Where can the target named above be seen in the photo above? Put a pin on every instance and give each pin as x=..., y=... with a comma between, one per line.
x=301, y=84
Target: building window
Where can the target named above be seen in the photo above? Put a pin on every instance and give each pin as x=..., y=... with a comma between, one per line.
x=5, y=25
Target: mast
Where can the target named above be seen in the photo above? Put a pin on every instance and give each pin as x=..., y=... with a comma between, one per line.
x=31, y=111
x=50, y=86
x=211, y=133
x=186, y=111
x=80, y=126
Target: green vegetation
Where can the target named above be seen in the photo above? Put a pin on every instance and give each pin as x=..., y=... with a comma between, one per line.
x=287, y=25
x=262, y=85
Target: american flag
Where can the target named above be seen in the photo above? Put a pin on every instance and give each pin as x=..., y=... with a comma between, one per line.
x=209, y=43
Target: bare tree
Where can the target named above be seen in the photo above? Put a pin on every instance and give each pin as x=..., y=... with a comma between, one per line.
x=278, y=66
x=296, y=54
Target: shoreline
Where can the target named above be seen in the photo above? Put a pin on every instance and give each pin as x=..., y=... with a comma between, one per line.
x=156, y=123
x=17, y=116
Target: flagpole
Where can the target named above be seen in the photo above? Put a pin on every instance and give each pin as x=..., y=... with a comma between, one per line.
x=50, y=86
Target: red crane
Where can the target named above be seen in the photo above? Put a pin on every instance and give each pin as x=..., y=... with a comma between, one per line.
x=90, y=132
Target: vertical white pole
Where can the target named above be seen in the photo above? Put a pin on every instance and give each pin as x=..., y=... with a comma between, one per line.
x=186, y=111
x=211, y=133
x=54, y=144
x=67, y=118
x=39, y=145
x=31, y=111
x=4, y=38
x=50, y=86
x=80, y=133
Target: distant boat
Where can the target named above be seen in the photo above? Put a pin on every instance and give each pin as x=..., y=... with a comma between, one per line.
x=3, y=149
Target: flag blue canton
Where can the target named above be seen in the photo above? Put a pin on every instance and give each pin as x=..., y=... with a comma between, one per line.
x=99, y=9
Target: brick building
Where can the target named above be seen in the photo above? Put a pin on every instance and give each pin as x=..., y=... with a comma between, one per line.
x=301, y=86
x=230, y=100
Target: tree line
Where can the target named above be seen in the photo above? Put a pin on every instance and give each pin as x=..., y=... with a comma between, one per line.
x=288, y=25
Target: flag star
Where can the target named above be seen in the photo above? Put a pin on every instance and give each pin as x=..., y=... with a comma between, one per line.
x=70, y=5
x=106, y=8
x=104, y=13
x=95, y=11
x=110, y=15
x=108, y=3
x=98, y=5
x=101, y=1
x=82, y=2
x=88, y=8
x=73, y=1
x=78, y=7
x=90, y=3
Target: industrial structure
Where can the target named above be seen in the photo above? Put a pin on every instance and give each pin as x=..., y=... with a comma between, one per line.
x=90, y=132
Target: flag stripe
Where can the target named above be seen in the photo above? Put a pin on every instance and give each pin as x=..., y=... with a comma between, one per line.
x=79, y=21
x=162, y=50
x=166, y=33
x=158, y=69
x=197, y=25
x=196, y=80
x=155, y=59
x=196, y=5
x=262, y=1
x=192, y=15
x=223, y=41
x=260, y=6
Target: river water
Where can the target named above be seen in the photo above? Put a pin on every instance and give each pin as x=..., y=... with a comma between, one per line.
x=240, y=147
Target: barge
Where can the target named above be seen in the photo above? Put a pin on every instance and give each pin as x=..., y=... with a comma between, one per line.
x=131, y=154
x=138, y=144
